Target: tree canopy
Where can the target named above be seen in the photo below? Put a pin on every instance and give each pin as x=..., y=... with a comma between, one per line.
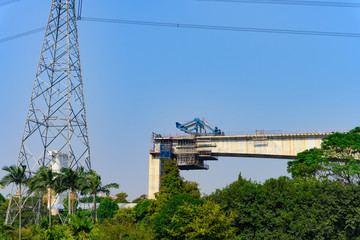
x=336, y=159
x=138, y=199
x=44, y=181
x=171, y=183
x=121, y=197
x=287, y=208
x=18, y=176
x=107, y=209
x=93, y=185
x=321, y=201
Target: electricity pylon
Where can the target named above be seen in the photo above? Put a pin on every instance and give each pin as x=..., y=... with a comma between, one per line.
x=56, y=121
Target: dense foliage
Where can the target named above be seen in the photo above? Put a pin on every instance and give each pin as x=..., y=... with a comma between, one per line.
x=179, y=213
x=121, y=197
x=106, y=209
x=286, y=208
x=337, y=159
x=187, y=217
x=122, y=226
x=142, y=197
x=320, y=201
x=16, y=175
x=283, y=208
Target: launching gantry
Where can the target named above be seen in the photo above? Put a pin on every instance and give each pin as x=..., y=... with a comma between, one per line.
x=204, y=143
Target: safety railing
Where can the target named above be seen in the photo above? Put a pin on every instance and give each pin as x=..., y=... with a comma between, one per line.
x=254, y=132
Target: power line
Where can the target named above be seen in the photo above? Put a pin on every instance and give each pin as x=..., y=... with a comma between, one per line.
x=36, y=30
x=4, y=3
x=293, y=2
x=224, y=28
x=196, y=26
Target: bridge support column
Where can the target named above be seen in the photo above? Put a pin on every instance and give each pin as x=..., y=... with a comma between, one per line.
x=154, y=175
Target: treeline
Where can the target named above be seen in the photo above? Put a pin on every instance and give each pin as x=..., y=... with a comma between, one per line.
x=320, y=201
x=286, y=208
x=280, y=208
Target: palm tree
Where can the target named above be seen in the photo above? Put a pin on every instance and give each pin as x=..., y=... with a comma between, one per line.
x=44, y=180
x=94, y=186
x=72, y=180
x=17, y=176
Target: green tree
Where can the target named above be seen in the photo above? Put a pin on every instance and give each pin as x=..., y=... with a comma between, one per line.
x=122, y=226
x=142, y=197
x=44, y=181
x=3, y=208
x=309, y=163
x=286, y=208
x=90, y=199
x=162, y=224
x=143, y=210
x=72, y=180
x=57, y=232
x=123, y=215
x=191, y=188
x=204, y=221
x=7, y=232
x=16, y=175
x=80, y=224
x=74, y=205
x=2, y=199
x=171, y=183
x=107, y=209
x=94, y=186
x=188, y=217
x=121, y=197
x=342, y=151
x=337, y=159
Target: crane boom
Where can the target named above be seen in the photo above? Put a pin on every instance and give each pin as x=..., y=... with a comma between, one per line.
x=199, y=127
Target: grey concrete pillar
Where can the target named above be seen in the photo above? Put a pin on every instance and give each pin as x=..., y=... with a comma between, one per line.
x=154, y=175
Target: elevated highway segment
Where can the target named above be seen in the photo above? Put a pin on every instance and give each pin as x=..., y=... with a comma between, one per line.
x=191, y=152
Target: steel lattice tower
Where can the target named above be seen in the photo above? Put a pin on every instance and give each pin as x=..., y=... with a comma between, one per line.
x=56, y=118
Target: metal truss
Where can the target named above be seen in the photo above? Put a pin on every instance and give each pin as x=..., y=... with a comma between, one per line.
x=56, y=118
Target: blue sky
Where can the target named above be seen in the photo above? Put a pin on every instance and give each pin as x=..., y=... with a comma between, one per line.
x=142, y=79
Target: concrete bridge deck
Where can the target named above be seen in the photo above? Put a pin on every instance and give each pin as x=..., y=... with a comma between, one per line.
x=190, y=152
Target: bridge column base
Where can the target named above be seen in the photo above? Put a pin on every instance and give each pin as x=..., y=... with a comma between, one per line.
x=154, y=175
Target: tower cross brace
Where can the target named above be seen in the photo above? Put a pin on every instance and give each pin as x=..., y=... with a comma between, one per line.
x=56, y=119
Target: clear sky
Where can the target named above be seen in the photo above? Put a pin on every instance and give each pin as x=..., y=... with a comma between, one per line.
x=143, y=79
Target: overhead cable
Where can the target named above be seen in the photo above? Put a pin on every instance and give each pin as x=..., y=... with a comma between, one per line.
x=224, y=28
x=36, y=30
x=196, y=26
x=293, y=2
x=4, y=3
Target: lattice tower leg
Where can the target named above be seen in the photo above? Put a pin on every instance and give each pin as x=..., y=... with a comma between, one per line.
x=56, y=119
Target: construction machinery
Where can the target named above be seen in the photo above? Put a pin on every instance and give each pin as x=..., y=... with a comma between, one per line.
x=198, y=127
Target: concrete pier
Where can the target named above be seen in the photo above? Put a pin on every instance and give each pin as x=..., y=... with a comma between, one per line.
x=154, y=175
